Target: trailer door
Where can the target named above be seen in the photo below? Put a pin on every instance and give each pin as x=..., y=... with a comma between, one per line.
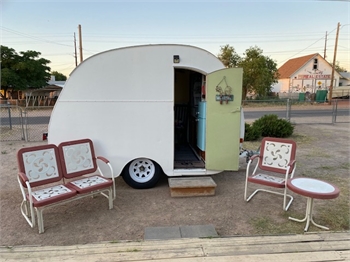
x=223, y=119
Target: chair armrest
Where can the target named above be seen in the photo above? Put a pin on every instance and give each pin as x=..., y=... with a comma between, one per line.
x=253, y=157
x=106, y=161
x=23, y=182
x=23, y=177
x=292, y=162
x=103, y=159
x=250, y=162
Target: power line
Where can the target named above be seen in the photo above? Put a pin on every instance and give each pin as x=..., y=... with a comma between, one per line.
x=32, y=37
x=249, y=39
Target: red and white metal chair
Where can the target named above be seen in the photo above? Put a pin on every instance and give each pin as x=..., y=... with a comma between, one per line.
x=40, y=179
x=79, y=161
x=275, y=165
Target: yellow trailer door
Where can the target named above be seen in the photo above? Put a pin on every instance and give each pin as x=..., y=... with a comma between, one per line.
x=223, y=97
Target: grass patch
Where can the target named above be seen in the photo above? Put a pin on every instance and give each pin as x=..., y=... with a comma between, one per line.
x=345, y=165
x=330, y=168
x=268, y=225
x=330, y=177
x=335, y=215
x=301, y=139
x=262, y=224
x=252, y=145
x=318, y=153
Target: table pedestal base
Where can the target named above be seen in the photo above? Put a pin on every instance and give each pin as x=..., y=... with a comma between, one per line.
x=308, y=216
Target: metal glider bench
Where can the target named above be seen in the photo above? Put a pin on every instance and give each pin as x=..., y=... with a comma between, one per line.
x=51, y=175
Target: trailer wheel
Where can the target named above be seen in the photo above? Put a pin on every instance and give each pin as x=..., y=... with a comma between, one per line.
x=142, y=173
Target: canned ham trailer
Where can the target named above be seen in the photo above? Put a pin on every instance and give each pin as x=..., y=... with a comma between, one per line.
x=154, y=110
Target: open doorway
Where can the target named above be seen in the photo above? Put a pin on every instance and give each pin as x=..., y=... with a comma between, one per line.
x=187, y=94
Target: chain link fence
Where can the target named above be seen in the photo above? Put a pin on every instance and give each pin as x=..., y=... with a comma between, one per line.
x=300, y=112
x=24, y=123
x=31, y=123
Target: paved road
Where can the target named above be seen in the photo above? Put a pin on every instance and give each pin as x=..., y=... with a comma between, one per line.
x=35, y=120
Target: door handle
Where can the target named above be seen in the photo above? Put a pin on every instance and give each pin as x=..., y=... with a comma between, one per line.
x=236, y=110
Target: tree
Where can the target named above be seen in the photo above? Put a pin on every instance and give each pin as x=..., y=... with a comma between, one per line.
x=9, y=59
x=59, y=76
x=259, y=72
x=23, y=71
x=338, y=68
x=228, y=56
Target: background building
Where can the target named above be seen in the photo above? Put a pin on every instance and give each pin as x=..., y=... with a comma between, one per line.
x=305, y=74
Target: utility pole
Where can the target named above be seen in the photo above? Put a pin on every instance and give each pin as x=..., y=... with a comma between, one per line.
x=80, y=44
x=325, y=47
x=75, y=51
x=333, y=67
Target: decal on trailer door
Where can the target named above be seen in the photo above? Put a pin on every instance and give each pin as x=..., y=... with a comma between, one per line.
x=225, y=92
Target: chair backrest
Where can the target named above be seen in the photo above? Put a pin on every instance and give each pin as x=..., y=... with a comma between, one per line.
x=40, y=164
x=181, y=114
x=77, y=158
x=276, y=154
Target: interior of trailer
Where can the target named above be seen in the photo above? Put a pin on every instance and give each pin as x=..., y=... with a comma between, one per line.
x=187, y=94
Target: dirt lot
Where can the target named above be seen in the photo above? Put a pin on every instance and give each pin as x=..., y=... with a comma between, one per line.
x=323, y=152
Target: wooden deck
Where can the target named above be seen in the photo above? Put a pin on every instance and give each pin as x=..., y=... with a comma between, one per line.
x=308, y=247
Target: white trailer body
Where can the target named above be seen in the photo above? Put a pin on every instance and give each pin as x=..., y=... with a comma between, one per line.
x=125, y=100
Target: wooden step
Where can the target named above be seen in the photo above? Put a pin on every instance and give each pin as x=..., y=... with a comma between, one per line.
x=191, y=186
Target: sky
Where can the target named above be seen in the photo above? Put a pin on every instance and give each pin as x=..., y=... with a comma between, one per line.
x=282, y=29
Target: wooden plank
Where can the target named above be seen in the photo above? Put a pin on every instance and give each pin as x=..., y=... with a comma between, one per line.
x=191, y=186
x=345, y=254
x=276, y=248
x=335, y=235
x=132, y=254
x=191, y=192
x=141, y=256
x=236, y=240
x=191, y=182
x=245, y=240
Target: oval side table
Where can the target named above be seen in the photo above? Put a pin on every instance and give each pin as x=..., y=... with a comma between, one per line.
x=311, y=188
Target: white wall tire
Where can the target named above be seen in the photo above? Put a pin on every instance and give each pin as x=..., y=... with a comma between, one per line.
x=142, y=173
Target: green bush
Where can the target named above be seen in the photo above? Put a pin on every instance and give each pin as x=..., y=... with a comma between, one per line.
x=271, y=125
x=283, y=128
x=251, y=133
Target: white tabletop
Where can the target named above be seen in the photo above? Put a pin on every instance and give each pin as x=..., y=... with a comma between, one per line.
x=312, y=185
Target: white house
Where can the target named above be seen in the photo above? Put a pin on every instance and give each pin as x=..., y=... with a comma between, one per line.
x=53, y=81
x=345, y=79
x=305, y=74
